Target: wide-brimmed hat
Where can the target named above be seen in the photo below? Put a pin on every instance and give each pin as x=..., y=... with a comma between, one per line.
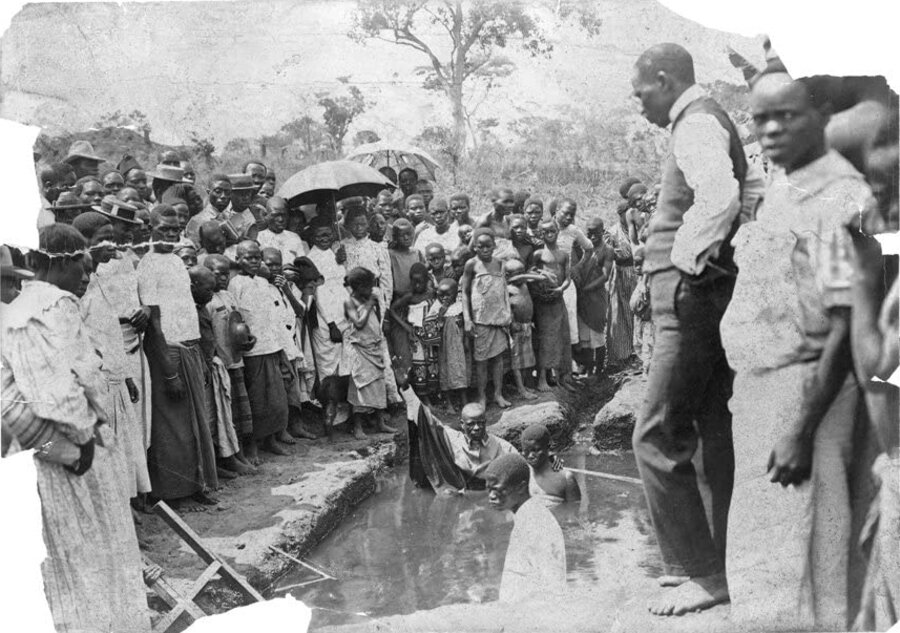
x=81, y=149
x=67, y=206
x=168, y=173
x=115, y=209
x=8, y=268
x=241, y=182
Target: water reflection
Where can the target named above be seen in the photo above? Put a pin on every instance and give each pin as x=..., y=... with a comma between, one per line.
x=405, y=549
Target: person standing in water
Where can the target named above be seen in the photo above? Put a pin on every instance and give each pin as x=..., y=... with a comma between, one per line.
x=535, y=564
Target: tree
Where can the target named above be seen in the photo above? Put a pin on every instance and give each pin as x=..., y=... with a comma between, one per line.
x=203, y=149
x=339, y=112
x=312, y=133
x=365, y=136
x=477, y=32
x=136, y=120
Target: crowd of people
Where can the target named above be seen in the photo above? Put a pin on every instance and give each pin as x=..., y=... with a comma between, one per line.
x=165, y=336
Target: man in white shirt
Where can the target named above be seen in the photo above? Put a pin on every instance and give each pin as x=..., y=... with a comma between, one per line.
x=277, y=236
x=535, y=564
x=440, y=231
x=689, y=258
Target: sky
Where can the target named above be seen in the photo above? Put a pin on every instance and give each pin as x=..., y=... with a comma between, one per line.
x=242, y=69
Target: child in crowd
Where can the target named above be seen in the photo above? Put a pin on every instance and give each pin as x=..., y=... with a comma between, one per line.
x=415, y=211
x=458, y=260
x=378, y=227
x=421, y=328
x=364, y=347
x=550, y=318
x=640, y=306
x=361, y=252
x=459, y=210
x=573, y=243
x=327, y=324
x=453, y=356
x=264, y=363
x=402, y=258
x=522, y=347
x=438, y=263
x=546, y=485
x=298, y=382
x=534, y=214
x=465, y=235
x=232, y=339
x=590, y=278
x=518, y=233
x=218, y=386
x=188, y=254
x=487, y=314
x=425, y=189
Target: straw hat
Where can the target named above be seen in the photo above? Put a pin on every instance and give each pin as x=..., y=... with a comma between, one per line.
x=8, y=269
x=81, y=149
x=168, y=173
x=241, y=182
x=115, y=209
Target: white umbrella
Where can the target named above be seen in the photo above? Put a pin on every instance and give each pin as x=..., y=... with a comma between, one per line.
x=395, y=155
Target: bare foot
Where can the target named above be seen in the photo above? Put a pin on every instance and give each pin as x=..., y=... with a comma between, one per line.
x=224, y=473
x=696, y=594
x=246, y=462
x=205, y=498
x=285, y=438
x=502, y=402
x=235, y=465
x=542, y=386
x=357, y=432
x=297, y=430
x=251, y=453
x=527, y=394
x=383, y=427
x=186, y=505
x=672, y=581
x=270, y=445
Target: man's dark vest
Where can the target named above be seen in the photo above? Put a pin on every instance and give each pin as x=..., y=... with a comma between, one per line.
x=676, y=197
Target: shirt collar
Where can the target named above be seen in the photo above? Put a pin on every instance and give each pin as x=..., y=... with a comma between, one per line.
x=687, y=97
x=814, y=177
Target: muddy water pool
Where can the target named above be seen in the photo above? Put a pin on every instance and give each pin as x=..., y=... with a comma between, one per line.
x=405, y=549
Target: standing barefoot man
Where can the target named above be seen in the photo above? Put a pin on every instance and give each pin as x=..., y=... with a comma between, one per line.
x=692, y=273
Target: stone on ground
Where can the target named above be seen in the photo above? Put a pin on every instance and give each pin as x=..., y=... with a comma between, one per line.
x=553, y=414
x=614, y=423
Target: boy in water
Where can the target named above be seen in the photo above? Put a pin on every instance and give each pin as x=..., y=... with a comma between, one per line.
x=535, y=564
x=549, y=486
x=487, y=314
